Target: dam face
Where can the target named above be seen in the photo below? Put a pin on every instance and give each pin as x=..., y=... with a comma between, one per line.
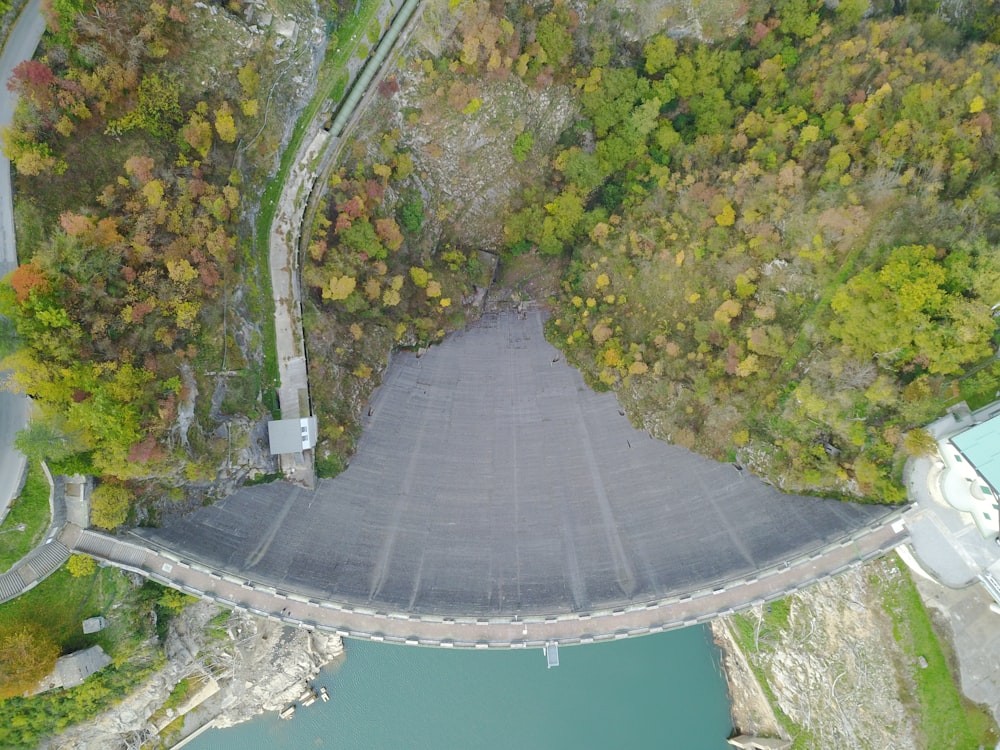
x=491, y=481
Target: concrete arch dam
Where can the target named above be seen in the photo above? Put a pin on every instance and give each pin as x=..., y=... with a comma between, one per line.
x=490, y=482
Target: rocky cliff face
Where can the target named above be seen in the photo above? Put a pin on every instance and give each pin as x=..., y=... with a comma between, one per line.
x=258, y=665
x=833, y=668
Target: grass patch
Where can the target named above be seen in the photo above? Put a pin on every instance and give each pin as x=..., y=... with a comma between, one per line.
x=947, y=718
x=264, y=478
x=981, y=386
x=330, y=466
x=181, y=692
x=31, y=508
x=801, y=346
x=95, y=161
x=171, y=731
x=62, y=602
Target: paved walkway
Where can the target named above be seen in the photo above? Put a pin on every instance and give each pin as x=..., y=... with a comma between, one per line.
x=945, y=542
x=286, y=287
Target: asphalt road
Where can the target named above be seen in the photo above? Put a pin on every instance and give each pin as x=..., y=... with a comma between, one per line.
x=13, y=409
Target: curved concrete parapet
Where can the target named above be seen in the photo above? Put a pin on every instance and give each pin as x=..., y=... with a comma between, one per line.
x=491, y=483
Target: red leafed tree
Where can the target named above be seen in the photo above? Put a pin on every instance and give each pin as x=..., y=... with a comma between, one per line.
x=354, y=208
x=146, y=451
x=141, y=167
x=33, y=79
x=388, y=231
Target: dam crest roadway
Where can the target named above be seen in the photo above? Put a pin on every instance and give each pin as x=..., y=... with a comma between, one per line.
x=493, y=488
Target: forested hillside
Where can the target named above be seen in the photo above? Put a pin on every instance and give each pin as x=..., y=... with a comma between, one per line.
x=138, y=126
x=785, y=247
x=778, y=248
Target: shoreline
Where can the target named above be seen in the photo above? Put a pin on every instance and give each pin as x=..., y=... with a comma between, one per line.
x=256, y=666
x=749, y=708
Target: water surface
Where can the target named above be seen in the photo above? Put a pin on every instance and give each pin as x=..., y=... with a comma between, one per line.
x=658, y=691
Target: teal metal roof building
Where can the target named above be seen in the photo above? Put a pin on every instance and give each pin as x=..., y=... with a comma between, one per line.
x=980, y=446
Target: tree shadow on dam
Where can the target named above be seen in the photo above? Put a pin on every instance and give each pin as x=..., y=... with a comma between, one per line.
x=491, y=481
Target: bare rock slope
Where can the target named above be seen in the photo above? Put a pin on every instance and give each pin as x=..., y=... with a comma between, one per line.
x=257, y=665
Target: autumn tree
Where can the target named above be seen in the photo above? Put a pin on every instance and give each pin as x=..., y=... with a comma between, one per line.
x=225, y=125
x=109, y=505
x=81, y=566
x=27, y=654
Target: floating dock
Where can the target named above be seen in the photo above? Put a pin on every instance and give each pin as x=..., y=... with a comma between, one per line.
x=551, y=650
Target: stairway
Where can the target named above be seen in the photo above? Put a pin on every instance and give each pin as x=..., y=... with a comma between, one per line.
x=32, y=568
x=110, y=549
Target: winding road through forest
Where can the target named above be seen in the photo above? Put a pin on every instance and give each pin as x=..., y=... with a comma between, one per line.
x=20, y=46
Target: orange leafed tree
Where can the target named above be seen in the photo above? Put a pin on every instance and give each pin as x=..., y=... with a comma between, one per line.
x=27, y=278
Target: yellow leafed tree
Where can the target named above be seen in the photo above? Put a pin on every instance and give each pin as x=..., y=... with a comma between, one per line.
x=340, y=287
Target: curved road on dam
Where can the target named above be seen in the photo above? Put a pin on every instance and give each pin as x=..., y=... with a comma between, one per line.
x=491, y=483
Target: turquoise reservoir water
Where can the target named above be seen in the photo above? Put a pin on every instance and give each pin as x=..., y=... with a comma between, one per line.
x=659, y=691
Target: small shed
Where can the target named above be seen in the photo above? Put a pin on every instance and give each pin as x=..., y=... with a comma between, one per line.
x=73, y=669
x=94, y=625
x=291, y=435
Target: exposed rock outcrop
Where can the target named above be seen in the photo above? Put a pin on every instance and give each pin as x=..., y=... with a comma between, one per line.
x=834, y=668
x=259, y=666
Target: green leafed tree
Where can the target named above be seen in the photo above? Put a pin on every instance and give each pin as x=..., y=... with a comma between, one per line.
x=157, y=110
x=42, y=440
x=903, y=314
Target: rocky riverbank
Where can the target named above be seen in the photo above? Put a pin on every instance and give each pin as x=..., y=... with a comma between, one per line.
x=830, y=661
x=239, y=666
x=748, y=704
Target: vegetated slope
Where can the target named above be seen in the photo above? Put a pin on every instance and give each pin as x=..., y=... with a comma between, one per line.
x=139, y=129
x=457, y=133
x=855, y=662
x=137, y=614
x=394, y=258
x=782, y=248
x=779, y=247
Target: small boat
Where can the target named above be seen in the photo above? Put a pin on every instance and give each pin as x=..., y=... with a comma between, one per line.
x=308, y=697
x=325, y=696
x=286, y=712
